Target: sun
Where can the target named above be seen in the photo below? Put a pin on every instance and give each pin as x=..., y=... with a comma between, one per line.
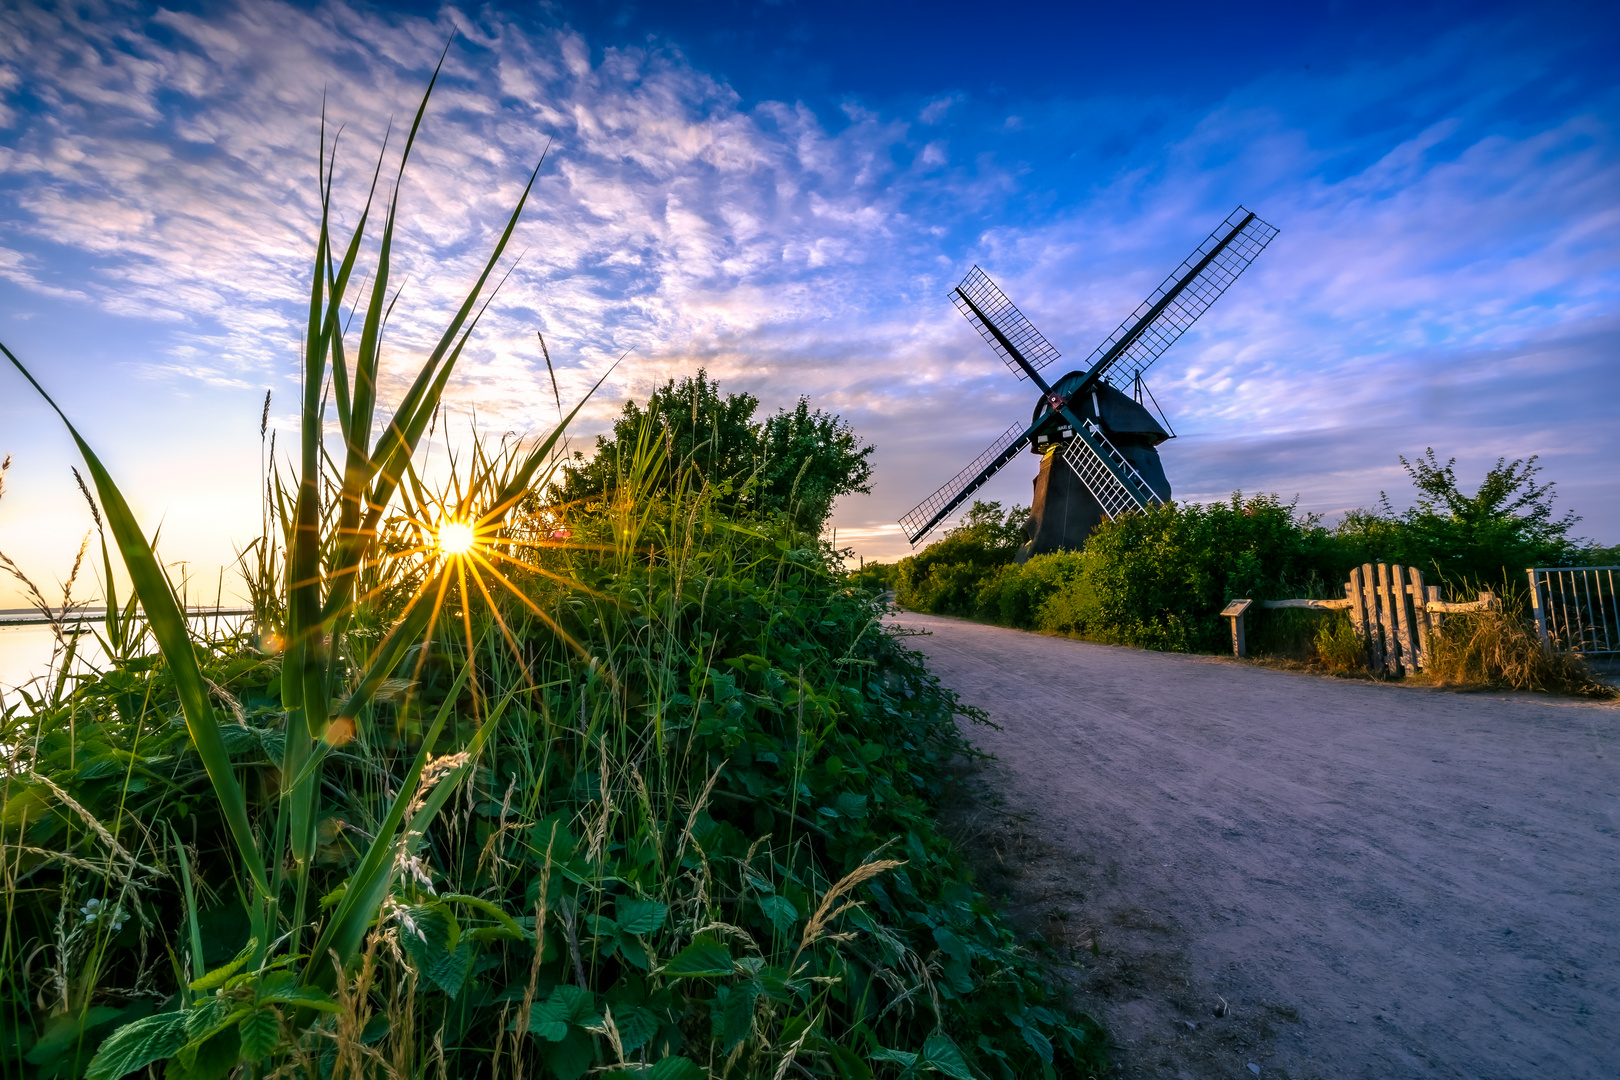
x=456, y=538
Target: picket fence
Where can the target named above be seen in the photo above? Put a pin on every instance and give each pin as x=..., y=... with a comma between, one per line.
x=1391, y=608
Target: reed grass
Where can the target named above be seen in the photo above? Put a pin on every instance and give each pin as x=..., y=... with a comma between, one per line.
x=638, y=787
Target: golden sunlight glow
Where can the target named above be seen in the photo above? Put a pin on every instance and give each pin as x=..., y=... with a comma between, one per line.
x=456, y=538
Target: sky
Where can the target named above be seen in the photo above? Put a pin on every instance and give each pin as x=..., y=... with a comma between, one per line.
x=784, y=194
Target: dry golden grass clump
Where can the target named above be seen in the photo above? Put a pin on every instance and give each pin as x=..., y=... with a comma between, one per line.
x=1502, y=649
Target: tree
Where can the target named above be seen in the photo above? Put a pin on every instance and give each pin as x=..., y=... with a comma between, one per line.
x=797, y=461
x=1507, y=524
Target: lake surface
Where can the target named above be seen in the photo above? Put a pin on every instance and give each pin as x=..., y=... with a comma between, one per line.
x=28, y=652
x=25, y=651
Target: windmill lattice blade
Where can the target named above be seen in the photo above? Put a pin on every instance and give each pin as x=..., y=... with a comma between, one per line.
x=1110, y=478
x=1190, y=298
x=1005, y=317
x=921, y=519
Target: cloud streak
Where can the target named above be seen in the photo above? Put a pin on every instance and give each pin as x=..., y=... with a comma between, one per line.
x=1446, y=273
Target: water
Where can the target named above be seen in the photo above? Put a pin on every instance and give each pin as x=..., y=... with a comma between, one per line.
x=27, y=652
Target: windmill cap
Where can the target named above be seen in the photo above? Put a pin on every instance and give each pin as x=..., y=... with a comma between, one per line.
x=1120, y=413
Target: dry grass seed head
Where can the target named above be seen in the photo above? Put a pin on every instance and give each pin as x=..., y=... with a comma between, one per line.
x=830, y=907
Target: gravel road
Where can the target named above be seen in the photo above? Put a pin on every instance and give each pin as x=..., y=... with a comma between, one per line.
x=1376, y=880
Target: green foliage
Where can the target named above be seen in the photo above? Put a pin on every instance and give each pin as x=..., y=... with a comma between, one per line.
x=1157, y=579
x=945, y=577
x=875, y=575
x=1154, y=579
x=1506, y=525
x=797, y=461
x=706, y=814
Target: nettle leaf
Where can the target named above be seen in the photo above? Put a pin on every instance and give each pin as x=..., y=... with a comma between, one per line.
x=850, y=804
x=1038, y=1042
x=903, y=1058
x=675, y=1068
x=216, y=978
x=427, y=939
x=943, y=1055
x=567, y=1007
x=135, y=1046
x=780, y=911
x=636, y=1026
x=209, y=1016
x=641, y=916
x=704, y=958
x=572, y=1057
x=259, y=1031
x=735, y=1022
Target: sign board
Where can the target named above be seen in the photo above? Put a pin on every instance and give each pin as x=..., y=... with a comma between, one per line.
x=1236, y=607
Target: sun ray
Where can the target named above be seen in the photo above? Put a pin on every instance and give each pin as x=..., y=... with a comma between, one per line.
x=511, y=640
x=535, y=608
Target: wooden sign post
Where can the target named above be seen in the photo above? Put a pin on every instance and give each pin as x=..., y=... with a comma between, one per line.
x=1234, y=611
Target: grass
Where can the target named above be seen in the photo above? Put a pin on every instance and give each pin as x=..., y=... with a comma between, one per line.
x=637, y=787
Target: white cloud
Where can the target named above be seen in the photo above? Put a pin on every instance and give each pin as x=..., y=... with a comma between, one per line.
x=1422, y=278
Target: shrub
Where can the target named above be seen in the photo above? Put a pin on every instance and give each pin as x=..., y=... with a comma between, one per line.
x=1159, y=578
x=1505, y=525
x=874, y=575
x=797, y=458
x=946, y=576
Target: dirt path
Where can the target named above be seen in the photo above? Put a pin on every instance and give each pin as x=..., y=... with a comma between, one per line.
x=1379, y=881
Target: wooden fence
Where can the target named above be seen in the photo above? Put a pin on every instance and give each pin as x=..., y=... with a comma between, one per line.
x=1393, y=612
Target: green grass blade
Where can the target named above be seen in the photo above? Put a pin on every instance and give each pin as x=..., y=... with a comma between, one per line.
x=423, y=396
x=168, y=626
x=368, y=884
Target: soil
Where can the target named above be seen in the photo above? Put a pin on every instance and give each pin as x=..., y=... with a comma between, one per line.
x=1246, y=871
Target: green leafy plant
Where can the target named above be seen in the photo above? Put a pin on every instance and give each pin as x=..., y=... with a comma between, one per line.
x=799, y=458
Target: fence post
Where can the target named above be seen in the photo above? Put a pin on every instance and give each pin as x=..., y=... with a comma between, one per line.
x=1386, y=622
x=1375, y=630
x=1358, y=617
x=1420, y=615
x=1403, y=621
x=1539, y=611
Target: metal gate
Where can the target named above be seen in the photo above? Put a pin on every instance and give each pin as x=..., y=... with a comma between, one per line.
x=1576, y=609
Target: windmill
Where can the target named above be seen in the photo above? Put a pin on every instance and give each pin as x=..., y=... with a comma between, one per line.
x=1096, y=439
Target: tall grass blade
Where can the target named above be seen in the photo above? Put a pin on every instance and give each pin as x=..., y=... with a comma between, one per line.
x=168, y=626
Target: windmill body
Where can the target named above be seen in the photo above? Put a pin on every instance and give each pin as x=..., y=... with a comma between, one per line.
x=1097, y=443
x=1063, y=511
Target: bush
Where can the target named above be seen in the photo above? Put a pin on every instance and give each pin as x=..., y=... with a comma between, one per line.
x=947, y=575
x=1506, y=525
x=797, y=461
x=874, y=575
x=1158, y=579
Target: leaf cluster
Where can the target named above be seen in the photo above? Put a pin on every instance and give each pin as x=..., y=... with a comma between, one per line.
x=796, y=461
x=1504, y=526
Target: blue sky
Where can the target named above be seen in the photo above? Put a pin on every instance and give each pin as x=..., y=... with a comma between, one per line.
x=785, y=193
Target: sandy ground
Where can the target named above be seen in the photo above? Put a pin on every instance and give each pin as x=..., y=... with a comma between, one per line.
x=1363, y=880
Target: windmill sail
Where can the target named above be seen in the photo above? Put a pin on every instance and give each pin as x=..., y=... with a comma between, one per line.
x=1112, y=480
x=922, y=518
x=1178, y=302
x=1008, y=332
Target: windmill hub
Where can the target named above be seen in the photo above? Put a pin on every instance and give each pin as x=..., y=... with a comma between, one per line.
x=1097, y=444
